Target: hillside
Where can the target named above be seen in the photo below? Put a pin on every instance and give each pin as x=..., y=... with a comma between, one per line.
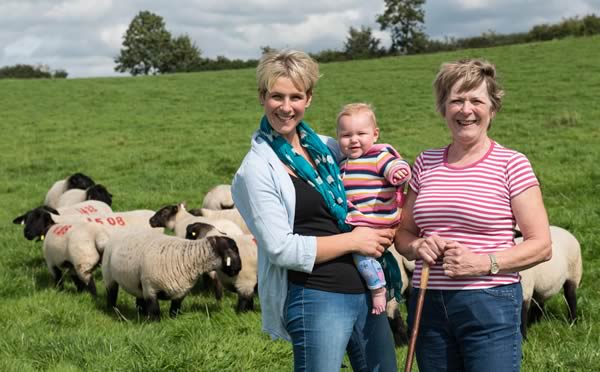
x=160, y=140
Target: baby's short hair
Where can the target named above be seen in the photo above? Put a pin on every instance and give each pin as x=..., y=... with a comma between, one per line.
x=355, y=108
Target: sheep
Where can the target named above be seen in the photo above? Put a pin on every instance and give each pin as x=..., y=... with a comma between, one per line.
x=219, y=197
x=75, y=181
x=94, y=192
x=153, y=266
x=38, y=220
x=74, y=247
x=176, y=217
x=245, y=284
x=540, y=282
x=232, y=215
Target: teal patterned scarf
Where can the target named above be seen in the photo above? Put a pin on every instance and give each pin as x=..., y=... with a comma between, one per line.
x=326, y=179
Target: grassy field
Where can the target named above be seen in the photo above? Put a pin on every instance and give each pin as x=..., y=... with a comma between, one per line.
x=160, y=140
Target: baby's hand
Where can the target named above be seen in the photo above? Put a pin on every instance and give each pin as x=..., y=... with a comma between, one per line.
x=400, y=176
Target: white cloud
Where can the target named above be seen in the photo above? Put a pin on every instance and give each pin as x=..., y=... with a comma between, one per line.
x=78, y=9
x=112, y=36
x=24, y=47
x=84, y=36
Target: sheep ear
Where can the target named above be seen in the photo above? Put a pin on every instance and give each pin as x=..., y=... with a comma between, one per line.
x=183, y=205
x=19, y=220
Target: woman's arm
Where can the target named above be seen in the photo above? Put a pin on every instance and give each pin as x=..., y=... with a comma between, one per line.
x=264, y=211
x=532, y=219
x=362, y=240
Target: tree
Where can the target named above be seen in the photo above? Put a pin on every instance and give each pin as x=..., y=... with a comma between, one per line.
x=184, y=56
x=146, y=45
x=361, y=44
x=405, y=20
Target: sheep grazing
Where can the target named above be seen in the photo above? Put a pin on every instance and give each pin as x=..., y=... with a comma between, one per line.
x=245, y=283
x=38, y=220
x=94, y=192
x=219, y=197
x=232, y=215
x=563, y=270
x=75, y=181
x=176, y=217
x=153, y=266
x=75, y=248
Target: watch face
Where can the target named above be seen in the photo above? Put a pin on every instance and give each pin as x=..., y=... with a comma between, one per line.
x=495, y=269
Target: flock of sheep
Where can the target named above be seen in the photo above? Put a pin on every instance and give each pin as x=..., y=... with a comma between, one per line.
x=80, y=231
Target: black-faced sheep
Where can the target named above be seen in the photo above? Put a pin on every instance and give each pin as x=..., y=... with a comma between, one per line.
x=154, y=267
x=563, y=270
x=75, y=181
x=219, y=197
x=232, y=215
x=245, y=283
x=176, y=217
x=94, y=192
x=37, y=221
x=74, y=247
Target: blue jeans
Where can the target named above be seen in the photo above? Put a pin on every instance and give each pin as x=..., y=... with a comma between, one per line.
x=469, y=330
x=323, y=325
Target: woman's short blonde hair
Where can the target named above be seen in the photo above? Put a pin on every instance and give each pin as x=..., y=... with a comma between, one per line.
x=298, y=66
x=355, y=108
x=472, y=72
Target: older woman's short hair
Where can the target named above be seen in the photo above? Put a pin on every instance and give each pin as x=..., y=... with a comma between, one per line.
x=355, y=108
x=296, y=65
x=472, y=73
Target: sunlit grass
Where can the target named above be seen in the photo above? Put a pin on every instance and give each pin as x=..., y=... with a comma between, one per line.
x=160, y=140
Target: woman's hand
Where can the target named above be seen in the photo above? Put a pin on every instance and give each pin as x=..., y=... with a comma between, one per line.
x=371, y=242
x=460, y=261
x=428, y=249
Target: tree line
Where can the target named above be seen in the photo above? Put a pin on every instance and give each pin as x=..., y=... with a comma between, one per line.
x=148, y=48
x=21, y=71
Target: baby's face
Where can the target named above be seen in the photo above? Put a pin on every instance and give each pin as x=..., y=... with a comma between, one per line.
x=356, y=134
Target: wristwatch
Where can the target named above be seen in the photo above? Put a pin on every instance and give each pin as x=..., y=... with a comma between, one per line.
x=494, y=268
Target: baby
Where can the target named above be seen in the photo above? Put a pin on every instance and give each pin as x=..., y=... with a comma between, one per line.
x=372, y=174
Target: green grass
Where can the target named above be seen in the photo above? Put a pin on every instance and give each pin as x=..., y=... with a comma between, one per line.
x=159, y=140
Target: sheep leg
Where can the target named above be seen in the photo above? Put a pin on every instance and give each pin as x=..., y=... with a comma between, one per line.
x=57, y=277
x=78, y=283
x=91, y=286
x=153, y=308
x=212, y=278
x=570, y=292
x=112, y=291
x=140, y=305
x=536, y=311
x=244, y=304
x=175, y=307
x=524, y=318
x=399, y=330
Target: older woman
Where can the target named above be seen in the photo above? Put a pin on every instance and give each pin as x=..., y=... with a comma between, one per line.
x=460, y=212
x=290, y=194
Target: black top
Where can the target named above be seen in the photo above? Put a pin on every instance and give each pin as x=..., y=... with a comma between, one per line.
x=313, y=218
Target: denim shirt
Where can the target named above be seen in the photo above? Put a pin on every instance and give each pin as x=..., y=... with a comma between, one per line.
x=265, y=196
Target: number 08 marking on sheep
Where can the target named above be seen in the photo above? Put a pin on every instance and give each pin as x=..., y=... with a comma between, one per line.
x=113, y=221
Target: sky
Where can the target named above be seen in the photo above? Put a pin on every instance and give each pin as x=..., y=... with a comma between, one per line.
x=83, y=37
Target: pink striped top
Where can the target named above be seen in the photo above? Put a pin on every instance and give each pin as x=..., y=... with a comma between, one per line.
x=470, y=205
x=372, y=189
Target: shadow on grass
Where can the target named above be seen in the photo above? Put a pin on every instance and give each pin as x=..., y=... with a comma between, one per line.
x=128, y=311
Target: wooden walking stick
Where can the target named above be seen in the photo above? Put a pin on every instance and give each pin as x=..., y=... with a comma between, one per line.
x=415, y=328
